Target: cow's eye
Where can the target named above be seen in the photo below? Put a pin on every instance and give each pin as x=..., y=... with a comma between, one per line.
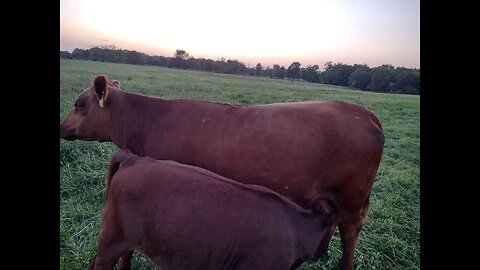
x=79, y=105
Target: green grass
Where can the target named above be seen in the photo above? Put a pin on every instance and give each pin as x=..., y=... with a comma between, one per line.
x=389, y=240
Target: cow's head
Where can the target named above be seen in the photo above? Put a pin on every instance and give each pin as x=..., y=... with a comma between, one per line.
x=90, y=118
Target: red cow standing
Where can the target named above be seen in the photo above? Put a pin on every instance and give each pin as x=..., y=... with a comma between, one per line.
x=307, y=151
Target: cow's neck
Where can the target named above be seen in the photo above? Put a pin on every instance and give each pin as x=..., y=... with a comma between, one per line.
x=132, y=115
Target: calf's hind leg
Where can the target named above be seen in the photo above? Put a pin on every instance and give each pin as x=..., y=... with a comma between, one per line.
x=323, y=246
x=110, y=248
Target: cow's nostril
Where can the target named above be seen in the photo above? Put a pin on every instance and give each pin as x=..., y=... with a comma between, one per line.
x=67, y=134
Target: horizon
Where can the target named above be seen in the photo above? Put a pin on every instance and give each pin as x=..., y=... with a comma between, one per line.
x=349, y=32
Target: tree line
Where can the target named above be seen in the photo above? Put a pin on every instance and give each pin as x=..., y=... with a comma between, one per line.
x=385, y=78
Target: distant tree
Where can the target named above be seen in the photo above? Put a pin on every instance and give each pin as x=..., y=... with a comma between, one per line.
x=136, y=58
x=108, y=47
x=79, y=53
x=342, y=73
x=407, y=81
x=181, y=54
x=65, y=54
x=258, y=70
x=157, y=60
x=361, y=77
x=252, y=71
x=111, y=55
x=235, y=67
x=221, y=65
x=278, y=71
x=311, y=73
x=268, y=72
x=293, y=71
x=193, y=63
x=179, y=59
x=96, y=54
x=207, y=65
x=123, y=54
x=337, y=74
x=383, y=79
x=327, y=75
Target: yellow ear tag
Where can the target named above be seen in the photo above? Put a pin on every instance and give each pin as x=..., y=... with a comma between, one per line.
x=100, y=101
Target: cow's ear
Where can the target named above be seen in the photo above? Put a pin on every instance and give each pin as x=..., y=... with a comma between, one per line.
x=100, y=85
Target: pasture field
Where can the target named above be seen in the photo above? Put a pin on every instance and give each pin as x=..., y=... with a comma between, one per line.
x=389, y=240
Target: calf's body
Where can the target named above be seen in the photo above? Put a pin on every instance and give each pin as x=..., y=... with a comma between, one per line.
x=307, y=151
x=185, y=217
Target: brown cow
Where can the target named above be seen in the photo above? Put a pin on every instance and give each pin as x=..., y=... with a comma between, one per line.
x=185, y=217
x=307, y=151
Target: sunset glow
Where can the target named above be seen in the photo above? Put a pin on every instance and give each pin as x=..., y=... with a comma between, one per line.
x=308, y=31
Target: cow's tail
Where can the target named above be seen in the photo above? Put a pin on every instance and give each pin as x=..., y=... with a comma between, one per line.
x=115, y=161
x=377, y=121
x=378, y=131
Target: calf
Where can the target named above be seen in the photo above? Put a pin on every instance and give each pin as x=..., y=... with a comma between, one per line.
x=185, y=217
x=307, y=151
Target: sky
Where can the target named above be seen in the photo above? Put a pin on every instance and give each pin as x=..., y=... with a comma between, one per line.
x=372, y=32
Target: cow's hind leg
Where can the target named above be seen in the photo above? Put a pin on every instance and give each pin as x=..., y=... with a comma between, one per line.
x=349, y=235
x=104, y=260
x=126, y=261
